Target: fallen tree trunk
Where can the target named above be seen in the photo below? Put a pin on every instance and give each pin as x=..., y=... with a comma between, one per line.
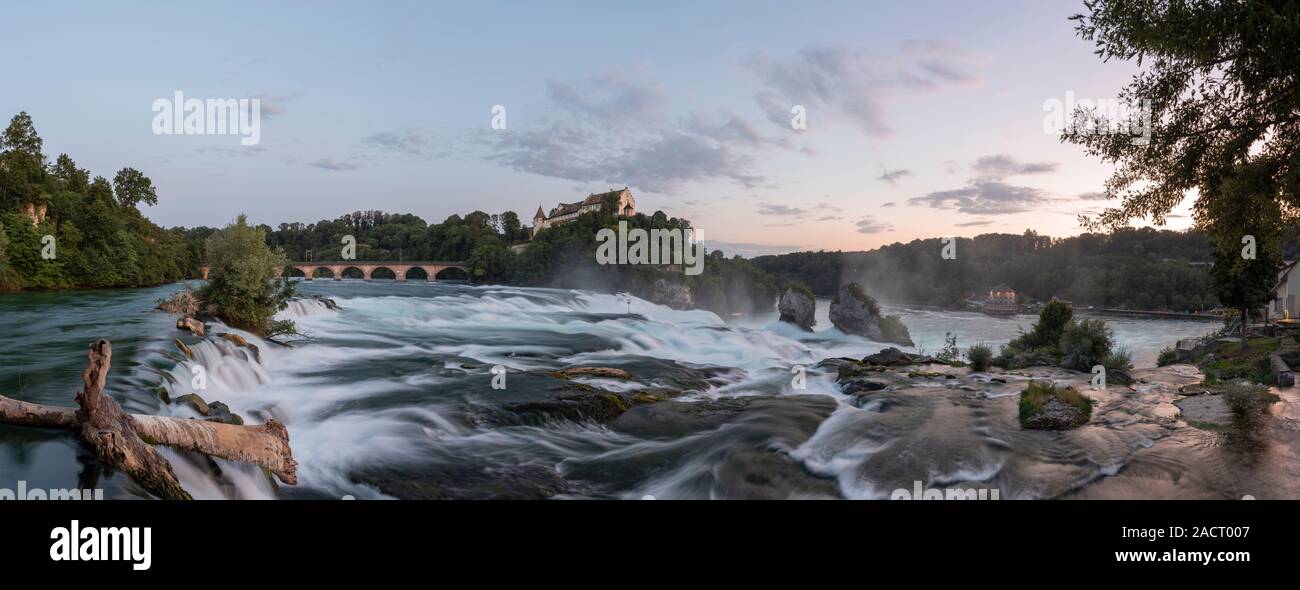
x=123, y=440
x=266, y=445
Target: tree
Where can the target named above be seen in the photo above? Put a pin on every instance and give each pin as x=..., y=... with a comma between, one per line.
x=1244, y=219
x=133, y=188
x=22, y=164
x=242, y=282
x=511, y=228
x=20, y=136
x=1223, y=87
x=71, y=178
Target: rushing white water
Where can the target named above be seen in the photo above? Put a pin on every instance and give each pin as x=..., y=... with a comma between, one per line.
x=393, y=379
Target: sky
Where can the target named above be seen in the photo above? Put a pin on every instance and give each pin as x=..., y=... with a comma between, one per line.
x=920, y=118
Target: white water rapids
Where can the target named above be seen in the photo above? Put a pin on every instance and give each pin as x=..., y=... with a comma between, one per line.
x=394, y=378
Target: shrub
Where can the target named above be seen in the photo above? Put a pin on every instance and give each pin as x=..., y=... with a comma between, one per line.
x=1119, y=359
x=949, y=352
x=242, y=283
x=894, y=330
x=1039, y=393
x=1085, y=344
x=798, y=288
x=980, y=356
x=1263, y=372
x=184, y=302
x=1247, y=401
x=1046, y=333
x=1167, y=357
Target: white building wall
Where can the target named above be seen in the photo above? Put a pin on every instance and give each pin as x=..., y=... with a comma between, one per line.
x=1286, y=302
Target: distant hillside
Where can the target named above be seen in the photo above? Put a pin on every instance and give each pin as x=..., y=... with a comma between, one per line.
x=1134, y=268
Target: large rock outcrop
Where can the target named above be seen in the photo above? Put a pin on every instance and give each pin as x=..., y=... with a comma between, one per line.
x=798, y=307
x=673, y=294
x=854, y=312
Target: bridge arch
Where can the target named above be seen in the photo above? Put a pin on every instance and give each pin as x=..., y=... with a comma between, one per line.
x=352, y=272
x=322, y=272
x=416, y=273
x=451, y=273
x=382, y=273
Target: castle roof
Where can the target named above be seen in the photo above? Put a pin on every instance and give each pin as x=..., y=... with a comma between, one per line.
x=539, y=213
x=592, y=199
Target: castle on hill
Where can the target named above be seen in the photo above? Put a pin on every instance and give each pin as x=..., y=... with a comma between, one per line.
x=566, y=212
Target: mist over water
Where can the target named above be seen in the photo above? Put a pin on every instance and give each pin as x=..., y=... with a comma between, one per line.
x=392, y=397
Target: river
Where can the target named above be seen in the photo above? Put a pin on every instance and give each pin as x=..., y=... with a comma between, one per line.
x=393, y=396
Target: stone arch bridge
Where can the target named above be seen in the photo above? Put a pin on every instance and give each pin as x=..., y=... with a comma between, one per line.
x=401, y=270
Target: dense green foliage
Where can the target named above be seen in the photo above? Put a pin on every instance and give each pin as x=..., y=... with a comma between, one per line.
x=1073, y=343
x=1222, y=80
x=980, y=356
x=1240, y=209
x=1085, y=344
x=1128, y=268
x=97, y=235
x=242, y=284
x=1046, y=332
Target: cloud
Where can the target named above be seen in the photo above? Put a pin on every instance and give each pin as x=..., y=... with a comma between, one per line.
x=892, y=176
x=407, y=142
x=888, y=204
x=611, y=97
x=986, y=194
x=783, y=210
x=1091, y=196
x=868, y=225
x=999, y=166
x=614, y=129
x=855, y=85
x=984, y=197
x=976, y=223
x=798, y=213
x=332, y=164
x=273, y=106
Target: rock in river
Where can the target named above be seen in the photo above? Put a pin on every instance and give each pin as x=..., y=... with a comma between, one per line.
x=854, y=312
x=798, y=307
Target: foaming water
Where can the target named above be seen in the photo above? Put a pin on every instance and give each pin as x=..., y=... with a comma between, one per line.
x=392, y=396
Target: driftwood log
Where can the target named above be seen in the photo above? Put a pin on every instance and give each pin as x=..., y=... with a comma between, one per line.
x=124, y=440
